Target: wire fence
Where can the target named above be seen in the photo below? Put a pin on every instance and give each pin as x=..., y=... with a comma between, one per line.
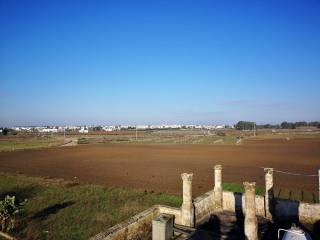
x=294, y=174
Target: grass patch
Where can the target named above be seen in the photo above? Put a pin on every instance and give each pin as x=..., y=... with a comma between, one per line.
x=284, y=193
x=57, y=209
x=235, y=187
x=12, y=144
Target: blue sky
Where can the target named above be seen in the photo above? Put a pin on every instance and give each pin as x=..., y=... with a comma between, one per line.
x=137, y=62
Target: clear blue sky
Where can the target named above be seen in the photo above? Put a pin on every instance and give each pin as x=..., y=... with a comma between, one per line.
x=136, y=62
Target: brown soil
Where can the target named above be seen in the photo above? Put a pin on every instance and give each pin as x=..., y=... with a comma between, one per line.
x=158, y=167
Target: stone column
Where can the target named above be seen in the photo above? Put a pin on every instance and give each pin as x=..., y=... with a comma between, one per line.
x=269, y=192
x=217, y=187
x=162, y=227
x=187, y=209
x=250, y=221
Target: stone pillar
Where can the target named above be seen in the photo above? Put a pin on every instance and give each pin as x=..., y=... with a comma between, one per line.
x=162, y=227
x=250, y=221
x=217, y=187
x=187, y=208
x=269, y=192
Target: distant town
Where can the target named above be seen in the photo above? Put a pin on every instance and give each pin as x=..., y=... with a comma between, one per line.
x=241, y=125
x=110, y=128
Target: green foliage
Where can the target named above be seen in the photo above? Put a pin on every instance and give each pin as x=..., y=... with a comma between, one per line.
x=288, y=125
x=8, y=213
x=69, y=210
x=235, y=187
x=83, y=141
x=5, y=131
x=245, y=125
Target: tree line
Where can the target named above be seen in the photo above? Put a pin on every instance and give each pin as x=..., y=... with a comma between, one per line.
x=247, y=125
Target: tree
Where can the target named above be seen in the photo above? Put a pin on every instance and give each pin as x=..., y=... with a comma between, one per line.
x=287, y=125
x=5, y=131
x=245, y=125
x=8, y=213
x=301, y=124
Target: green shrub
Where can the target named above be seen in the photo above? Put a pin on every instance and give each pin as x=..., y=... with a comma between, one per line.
x=8, y=212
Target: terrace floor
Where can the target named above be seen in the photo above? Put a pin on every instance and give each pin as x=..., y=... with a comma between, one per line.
x=230, y=225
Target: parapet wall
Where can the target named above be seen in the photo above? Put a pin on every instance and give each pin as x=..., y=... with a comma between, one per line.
x=233, y=202
x=136, y=227
x=283, y=208
x=196, y=211
x=204, y=205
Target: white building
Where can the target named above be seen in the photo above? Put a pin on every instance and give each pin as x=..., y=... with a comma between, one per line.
x=83, y=130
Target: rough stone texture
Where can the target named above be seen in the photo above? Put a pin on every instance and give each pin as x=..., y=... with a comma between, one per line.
x=304, y=212
x=204, y=205
x=187, y=208
x=176, y=212
x=162, y=227
x=136, y=227
x=236, y=201
x=140, y=225
x=269, y=192
x=218, y=196
x=250, y=221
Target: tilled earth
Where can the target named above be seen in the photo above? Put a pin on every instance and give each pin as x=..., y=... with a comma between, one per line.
x=158, y=167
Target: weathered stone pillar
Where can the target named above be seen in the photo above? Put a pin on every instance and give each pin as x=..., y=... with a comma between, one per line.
x=217, y=187
x=187, y=208
x=250, y=221
x=162, y=227
x=319, y=183
x=269, y=192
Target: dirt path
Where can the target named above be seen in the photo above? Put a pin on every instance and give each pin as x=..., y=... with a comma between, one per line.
x=158, y=167
x=70, y=142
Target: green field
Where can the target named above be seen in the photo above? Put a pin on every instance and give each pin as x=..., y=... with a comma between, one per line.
x=14, y=143
x=57, y=209
x=175, y=136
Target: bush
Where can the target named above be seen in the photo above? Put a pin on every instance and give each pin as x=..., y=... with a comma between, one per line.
x=83, y=141
x=8, y=212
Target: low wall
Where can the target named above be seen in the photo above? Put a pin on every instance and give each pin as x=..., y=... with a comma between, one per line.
x=140, y=225
x=304, y=212
x=283, y=208
x=233, y=201
x=136, y=227
x=173, y=211
x=204, y=205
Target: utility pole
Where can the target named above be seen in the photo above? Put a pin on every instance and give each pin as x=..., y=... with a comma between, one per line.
x=254, y=129
x=136, y=133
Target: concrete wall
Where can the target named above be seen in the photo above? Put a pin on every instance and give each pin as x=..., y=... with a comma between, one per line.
x=140, y=225
x=136, y=227
x=304, y=212
x=173, y=211
x=283, y=208
x=235, y=201
x=204, y=205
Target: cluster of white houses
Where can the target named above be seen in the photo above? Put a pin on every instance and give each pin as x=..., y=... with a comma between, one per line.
x=110, y=128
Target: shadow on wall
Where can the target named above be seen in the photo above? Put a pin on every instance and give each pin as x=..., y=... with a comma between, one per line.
x=285, y=213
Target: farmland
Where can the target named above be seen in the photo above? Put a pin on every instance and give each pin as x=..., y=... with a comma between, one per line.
x=155, y=163
x=79, y=185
